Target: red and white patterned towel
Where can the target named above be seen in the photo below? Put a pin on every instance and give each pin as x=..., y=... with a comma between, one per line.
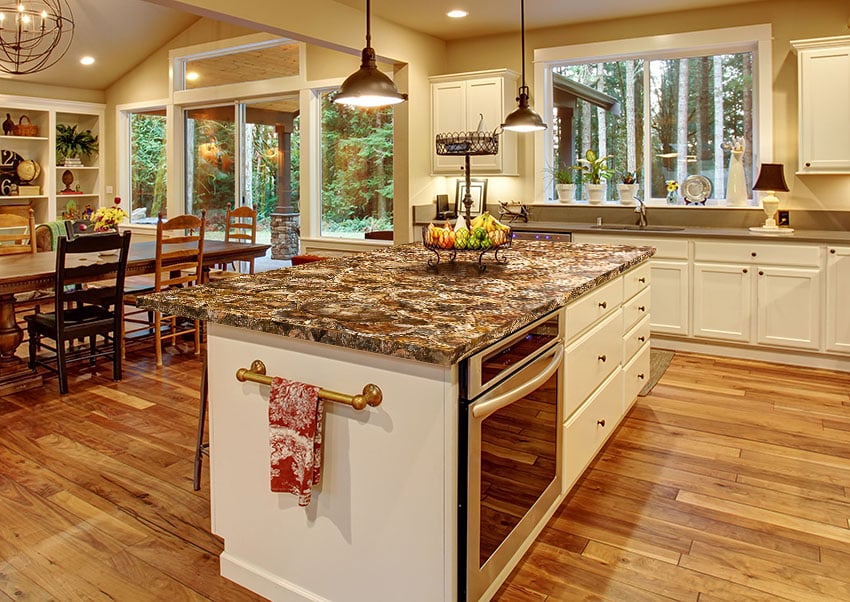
x=295, y=438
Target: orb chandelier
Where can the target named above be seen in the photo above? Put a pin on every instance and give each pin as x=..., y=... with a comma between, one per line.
x=34, y=34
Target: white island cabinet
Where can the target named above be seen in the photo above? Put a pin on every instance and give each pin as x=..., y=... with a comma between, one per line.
x=389, y=521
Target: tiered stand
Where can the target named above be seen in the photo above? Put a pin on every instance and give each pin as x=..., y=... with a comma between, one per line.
x=468, y=144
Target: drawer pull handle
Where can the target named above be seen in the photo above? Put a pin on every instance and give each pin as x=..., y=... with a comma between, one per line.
x=602, y=358
x=601, y=422
x=641, y=339
x=745, y=270
x=761, y=273
x=754, y=254
x=643, y=280
x=832, y=251
x=603, y=305
x=641, y=308
x=641, y=376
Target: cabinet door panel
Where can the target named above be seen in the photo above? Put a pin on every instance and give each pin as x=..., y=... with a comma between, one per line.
x=837, y=294
x=824, y=119
x=789, y=307
x=669, y=297
x=449, y=115
x=722, y=301
x=484, y=97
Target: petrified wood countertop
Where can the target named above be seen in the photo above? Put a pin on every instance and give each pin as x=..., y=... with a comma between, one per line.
x=391, y=302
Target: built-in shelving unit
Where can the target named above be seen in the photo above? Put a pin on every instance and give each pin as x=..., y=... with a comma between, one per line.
x=16, y=146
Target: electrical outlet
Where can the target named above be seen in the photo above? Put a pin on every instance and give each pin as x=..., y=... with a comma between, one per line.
x=783, y=218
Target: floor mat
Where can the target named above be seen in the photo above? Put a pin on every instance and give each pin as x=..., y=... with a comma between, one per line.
x=659, y=359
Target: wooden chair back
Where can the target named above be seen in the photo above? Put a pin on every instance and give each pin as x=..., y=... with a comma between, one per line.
x=241, y=226
x=17, y=233
x=179, y=251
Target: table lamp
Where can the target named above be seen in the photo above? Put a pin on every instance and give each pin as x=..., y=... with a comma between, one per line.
x=771, y=180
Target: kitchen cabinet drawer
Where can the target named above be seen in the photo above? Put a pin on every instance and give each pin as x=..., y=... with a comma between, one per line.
x=587, y=431
x=635, y=376
x=635, y=338
x=665, y=248
x=760, y=253
x=592, y=307
x=635, y=280
x=636, y=308
x=591, y=359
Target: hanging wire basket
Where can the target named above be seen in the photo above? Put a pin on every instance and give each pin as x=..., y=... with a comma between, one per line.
x=467, y=143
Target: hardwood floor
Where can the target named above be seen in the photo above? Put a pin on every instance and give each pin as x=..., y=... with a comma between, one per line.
x=731, y=481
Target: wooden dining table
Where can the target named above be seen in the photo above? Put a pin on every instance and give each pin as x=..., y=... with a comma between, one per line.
x=32, y=272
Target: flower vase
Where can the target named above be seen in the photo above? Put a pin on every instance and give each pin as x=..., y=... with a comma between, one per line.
x=736, y=188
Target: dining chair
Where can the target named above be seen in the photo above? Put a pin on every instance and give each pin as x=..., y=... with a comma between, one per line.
x=179, y=263
x=81, y=312
x=240, y=226
x=17, y=232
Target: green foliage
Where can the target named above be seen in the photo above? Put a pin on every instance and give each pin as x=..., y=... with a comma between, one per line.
x=148, y=162
x=628, y=177
x=357, y=167
x=596, y=169
x=70, y=143
x=562, y=174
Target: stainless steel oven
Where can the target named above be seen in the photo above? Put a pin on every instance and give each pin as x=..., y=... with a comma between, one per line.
x=541, y=235
x=510, y=449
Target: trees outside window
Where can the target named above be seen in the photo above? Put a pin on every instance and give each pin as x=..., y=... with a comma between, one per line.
x=148, y=169
x=680, y=106
x=357, y=169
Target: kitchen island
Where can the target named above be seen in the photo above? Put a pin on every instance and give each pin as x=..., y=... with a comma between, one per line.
x=383, y=523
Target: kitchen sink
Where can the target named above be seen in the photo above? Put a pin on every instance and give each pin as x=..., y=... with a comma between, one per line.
x=636, y=228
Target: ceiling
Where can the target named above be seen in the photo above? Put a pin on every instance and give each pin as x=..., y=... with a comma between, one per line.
x=120, y=34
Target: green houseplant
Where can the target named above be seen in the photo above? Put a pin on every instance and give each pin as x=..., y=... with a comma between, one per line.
x=595, y=172
x=627, y=187
x=564, y=177
x=73, y=144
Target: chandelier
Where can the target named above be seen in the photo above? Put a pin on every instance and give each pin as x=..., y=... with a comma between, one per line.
x=34, y=34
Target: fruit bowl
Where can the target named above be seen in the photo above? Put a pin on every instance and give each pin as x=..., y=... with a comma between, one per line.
x=484, y=234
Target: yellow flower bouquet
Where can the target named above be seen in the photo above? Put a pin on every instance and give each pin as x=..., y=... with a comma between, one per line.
x=107, y=218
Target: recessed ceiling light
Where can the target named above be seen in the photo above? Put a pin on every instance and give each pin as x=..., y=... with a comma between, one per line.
x=457, y=13
x=87, y=60
x=192, y=76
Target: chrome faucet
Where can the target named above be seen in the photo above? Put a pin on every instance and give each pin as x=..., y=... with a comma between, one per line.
x=641, y=211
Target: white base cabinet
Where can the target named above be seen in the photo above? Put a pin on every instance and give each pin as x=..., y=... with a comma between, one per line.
x=838, y=299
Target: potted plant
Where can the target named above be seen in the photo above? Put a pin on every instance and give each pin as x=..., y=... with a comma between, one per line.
x=628, y=187
x=596, y=171
x=563, y=176
x=72, y=145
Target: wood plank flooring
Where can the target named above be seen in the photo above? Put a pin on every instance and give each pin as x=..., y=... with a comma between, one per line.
x=731, y=481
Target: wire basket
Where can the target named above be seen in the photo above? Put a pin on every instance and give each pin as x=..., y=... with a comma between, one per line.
x=467, y=143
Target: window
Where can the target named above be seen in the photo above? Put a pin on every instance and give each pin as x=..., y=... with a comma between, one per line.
x=210, y=134
x=148, y=169
x=357, y=169
x=668, y=113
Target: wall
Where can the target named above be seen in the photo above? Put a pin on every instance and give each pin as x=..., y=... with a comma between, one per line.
x=791, y=20
x=338, y=27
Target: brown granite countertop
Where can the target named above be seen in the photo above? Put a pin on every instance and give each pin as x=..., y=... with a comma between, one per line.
x=391, y=302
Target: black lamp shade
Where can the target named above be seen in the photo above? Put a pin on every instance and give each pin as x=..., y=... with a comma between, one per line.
x=523, y=119
x=368, y=86
x=771, y=177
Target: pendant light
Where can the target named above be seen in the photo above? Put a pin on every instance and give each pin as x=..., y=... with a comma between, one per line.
x=368, y=87
x=34, y=35
x=523, y=118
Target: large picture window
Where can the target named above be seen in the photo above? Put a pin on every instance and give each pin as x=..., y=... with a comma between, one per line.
x=148, y=170
x=357, y=169
x=670, y=114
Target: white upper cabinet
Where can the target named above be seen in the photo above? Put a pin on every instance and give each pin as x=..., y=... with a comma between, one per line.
x=458, y=102
x=823, y=70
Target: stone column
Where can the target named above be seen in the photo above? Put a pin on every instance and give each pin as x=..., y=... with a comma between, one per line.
x=285, y=220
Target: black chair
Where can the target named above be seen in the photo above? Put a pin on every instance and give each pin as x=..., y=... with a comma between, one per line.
x=83, y=312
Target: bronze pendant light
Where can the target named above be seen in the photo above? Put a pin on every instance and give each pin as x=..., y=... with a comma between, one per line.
x=368, y=86
x=523, y=118
x=34, y=35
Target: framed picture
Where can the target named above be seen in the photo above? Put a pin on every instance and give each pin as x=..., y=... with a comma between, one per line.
x=478, y=191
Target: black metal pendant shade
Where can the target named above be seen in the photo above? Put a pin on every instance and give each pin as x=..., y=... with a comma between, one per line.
x=523, y=118
x=368, y=86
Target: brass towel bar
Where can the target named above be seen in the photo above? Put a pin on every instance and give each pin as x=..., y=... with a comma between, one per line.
x=371, y=396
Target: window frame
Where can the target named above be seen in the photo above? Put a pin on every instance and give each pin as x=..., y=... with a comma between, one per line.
x=755, y=38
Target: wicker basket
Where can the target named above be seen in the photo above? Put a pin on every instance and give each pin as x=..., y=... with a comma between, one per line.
x=25, y=129
x=467, y=143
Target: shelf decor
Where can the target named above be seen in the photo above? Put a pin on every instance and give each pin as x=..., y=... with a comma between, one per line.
x=71, y=145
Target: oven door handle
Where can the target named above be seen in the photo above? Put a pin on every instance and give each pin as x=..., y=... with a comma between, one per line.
x=484, y=408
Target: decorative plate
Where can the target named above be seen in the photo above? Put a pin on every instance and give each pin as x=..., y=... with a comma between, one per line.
x=696, y=189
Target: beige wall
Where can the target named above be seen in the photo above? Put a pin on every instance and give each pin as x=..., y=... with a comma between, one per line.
x=791, y=20
x=332, y=25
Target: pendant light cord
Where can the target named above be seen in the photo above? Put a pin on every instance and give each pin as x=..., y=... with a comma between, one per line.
x=368, y=25
x=522, y=22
